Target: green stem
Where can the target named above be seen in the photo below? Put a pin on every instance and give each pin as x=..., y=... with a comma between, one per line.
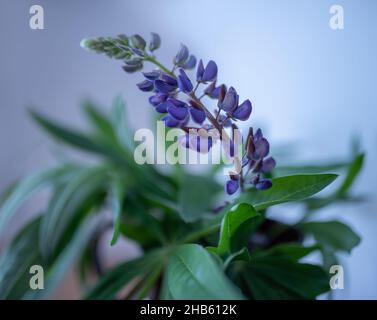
x=158, y=64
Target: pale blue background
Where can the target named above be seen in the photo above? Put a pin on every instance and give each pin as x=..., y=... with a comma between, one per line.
x=309, y=84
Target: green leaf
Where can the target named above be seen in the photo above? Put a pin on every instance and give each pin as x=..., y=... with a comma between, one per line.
x=286, y=189
x=26, y=188
x=121, y=124
x=70, y=202
x=84, y=142
x=193, y=274
x=292, y=250
x=66, y=259
x=242, y=255
x=333, y=235
x=165, y=292
x=145, y=176
x=117, y=197
x=238, y=215
x=117, y=278
x=277, y=275
x=99, y=120
x=281, y=171
x=196, y=195
x=16, y=261
x=352, y=173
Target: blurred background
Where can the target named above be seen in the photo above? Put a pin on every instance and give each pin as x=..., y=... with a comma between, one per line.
x=311, y=87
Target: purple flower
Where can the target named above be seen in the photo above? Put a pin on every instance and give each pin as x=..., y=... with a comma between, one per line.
x=243, y=111
x=225, y=121
x=197, y=142
x=176, y=102
x=179, y=113
x=201, y=144
x=197, y=115
x=262, y=148
x=231, y=186
x=164, y=87
x=163, y=107
x=158, y=98
x=268, y=165
x=209, y=73
x=230, y=101
x=199, y=71
x=184, y=82
x=214, y=92
x=182, y=55
x=145, y=85
x=171, y=122
x=190, y=63
x=152, y=75
x=169, y=79
x=155, y=42
x=263, y=184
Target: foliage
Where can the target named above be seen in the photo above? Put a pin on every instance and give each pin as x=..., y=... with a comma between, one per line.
x=192, y=248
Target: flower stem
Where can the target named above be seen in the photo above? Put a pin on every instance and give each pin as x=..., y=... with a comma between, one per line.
x=153, y=60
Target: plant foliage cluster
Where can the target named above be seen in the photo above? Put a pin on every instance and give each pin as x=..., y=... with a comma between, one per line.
x=192, y=248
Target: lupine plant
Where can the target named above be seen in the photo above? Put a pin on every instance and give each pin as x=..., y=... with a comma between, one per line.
x=196, y=241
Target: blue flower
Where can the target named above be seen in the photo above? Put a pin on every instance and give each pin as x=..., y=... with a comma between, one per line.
x=243, y=111
x=268, y=165
x=190, y=63
x=197, y=115
x=152, y=75
x=182, y=55
x=209, y=73
x=184, y=82
x=199, y=71
x=179, y=113
x=157, y=99
x=230, y=101
x=171, y=122
x=164, y=87
x=155, y=42
x=197, y=142
x=231, y=186
x=263, y=184
x=145, y=85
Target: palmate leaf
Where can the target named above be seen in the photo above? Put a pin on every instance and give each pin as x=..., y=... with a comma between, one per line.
x=117, y=196
x=120, y=123
x=16, y=261
x=341, y=194
x=69, y=205
x=193, y=274
x=84, y=141
x=146, y=177
x=234, y=218
x=294, y=251
x=277, y=274
x=282, y=171
x=23, y=253
x=25, y=188
x=353, y=171
x=333, y=235
x=120, y=276
x=103, y=128
x=66, y=258
x=286, y=189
